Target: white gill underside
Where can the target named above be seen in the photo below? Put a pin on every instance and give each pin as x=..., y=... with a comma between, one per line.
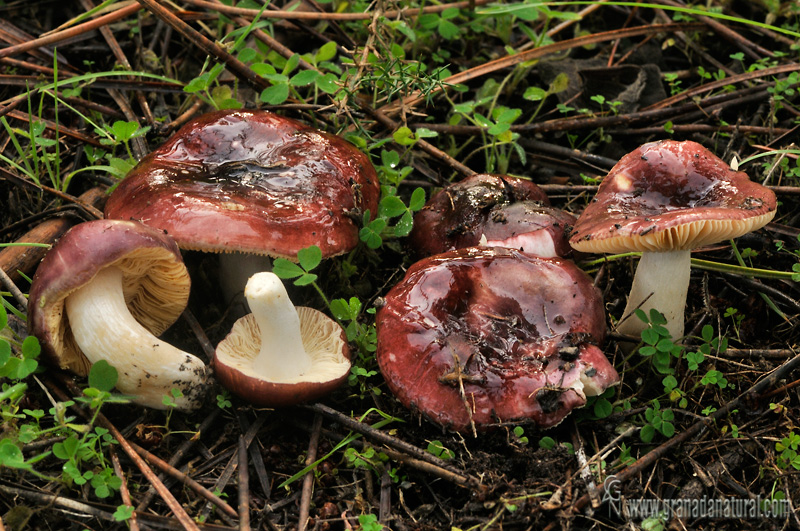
x=148, y=367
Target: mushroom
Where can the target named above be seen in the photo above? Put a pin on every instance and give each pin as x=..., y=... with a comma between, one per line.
x=664, y=199
x=280, y=355
x=105, y=290
x=491, y=210
x=251, y=182
x=478, y=337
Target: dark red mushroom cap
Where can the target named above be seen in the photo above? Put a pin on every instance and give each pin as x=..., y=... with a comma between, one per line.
x=519, y=332
x=671, y=195
x=530, y=227
x=455, y=216
x=254, y=182
x=156, y=284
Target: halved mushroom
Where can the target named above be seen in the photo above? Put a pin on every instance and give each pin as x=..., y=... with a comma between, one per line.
x=280, y=355
x=105, y=290
x=665, y=199
x=486, y=336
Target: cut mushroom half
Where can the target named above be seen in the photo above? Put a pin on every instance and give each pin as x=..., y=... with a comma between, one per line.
x=280, y=354
x=104, y=292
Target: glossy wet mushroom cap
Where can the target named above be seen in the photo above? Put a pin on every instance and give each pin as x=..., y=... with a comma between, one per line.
x=459, y=215
x=519, y=333
x=664, y=199
x=104, y=291
x=254, y=182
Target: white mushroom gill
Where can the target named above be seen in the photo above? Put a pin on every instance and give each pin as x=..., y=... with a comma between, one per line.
x=148, y=368
x=661, y=282
x=279, y=343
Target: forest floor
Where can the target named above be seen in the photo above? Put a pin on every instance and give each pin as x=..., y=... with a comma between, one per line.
x=432, y=92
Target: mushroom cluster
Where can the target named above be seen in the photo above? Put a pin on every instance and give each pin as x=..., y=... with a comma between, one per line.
x=229, y=181
x=493, y=325
x=665, y=199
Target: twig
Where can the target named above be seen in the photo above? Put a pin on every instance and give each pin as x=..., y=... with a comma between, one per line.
x=393, y=442
x=308, y=479
x=244, y=487
x=69, y=33
x=133, y=523
x=186, y=480
x=311, y=15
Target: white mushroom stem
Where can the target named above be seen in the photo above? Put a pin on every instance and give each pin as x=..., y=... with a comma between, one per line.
x=282, y=355
x=148, y=368
x=661, y=282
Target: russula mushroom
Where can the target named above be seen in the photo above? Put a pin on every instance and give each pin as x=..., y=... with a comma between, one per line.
x=479, y=336
x=105, y=290
x=491, y=210
x=280, y=355
x=251, y=182
x=664, y=199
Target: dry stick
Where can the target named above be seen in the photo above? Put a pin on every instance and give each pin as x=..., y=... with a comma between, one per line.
x=311, y=15
x=255, y=452
x=385, y=505
x=21, y=259
x=15, y=291
x=244, y=487
x=393, y=442
x=746, y=45
x=53, y=126
x=512, y=60
x=69, y=33
x=308, y=479
x=652, y=456
x=184, y=447
x=138, y=144
x=715, y=85
x=133, y=523
x=209, y=47
x=186, y=480
x=65, y=504
x=422, y=144
x=5, y=174
x=269, y=40
x=172, y=503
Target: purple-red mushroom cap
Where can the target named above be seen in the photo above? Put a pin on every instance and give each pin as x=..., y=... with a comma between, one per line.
x=281, y=355
x=105, y=290
x=253, y=182
x=519, y=333
x=664, y=199
x=492, y=210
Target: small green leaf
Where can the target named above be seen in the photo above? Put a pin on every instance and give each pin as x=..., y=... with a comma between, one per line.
x=303, y=78
x=327, y=83
x=391, y=206
x=103, y=376
x=276, y=94
x=326, y=52
x=283, y=268
x=417, y=200
x=404, y=136
x=310, y=257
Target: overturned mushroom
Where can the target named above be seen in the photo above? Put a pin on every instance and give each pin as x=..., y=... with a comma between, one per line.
x=280, y=355
x=105, y=291
x=664, y=199
x=486, y=336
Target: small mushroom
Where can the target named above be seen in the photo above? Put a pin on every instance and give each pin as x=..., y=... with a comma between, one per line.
x=238, y=181
x=280, y=355
x=105, y=290
x=665, y=199
x=491, y=210
x=478, y=337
